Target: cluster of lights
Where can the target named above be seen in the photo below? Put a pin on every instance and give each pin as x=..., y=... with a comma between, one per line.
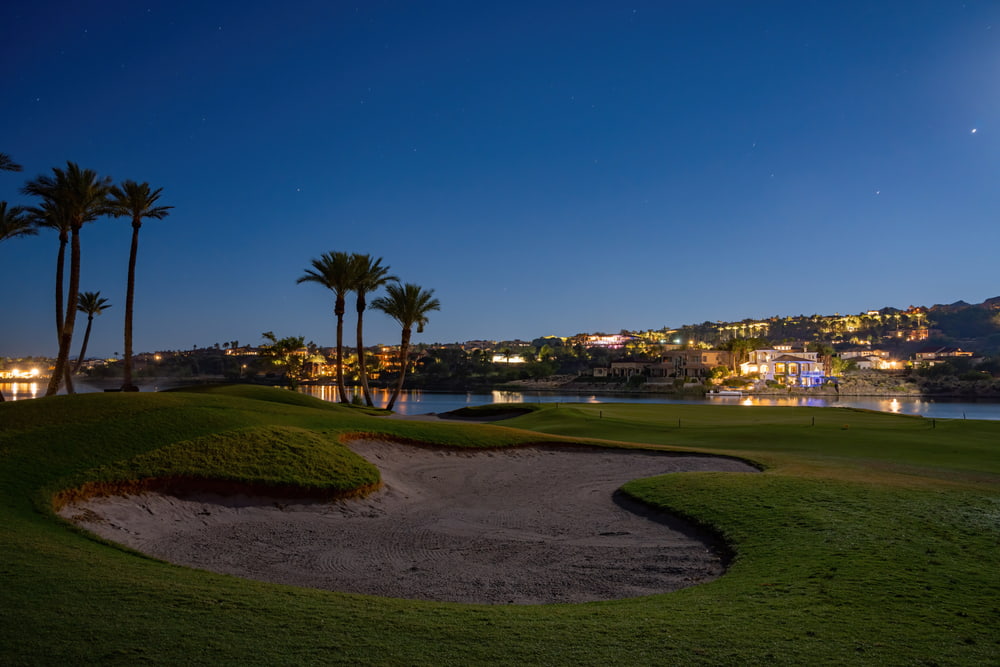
x=16, y=374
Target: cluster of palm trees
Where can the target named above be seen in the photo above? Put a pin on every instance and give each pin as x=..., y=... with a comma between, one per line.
x=408, y=304
x=67, y=200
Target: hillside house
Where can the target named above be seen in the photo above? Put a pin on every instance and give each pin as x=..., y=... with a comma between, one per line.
x=786, y=364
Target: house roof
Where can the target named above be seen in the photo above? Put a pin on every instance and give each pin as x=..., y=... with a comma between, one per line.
x=939, y=350
x=789, y=357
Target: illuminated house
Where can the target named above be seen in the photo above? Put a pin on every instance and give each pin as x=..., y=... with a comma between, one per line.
x=15, y=374
x=609, y=341
x=627, y=369
x=673, y=364
x=929, y=356
x=787, y=365
x=689, y=363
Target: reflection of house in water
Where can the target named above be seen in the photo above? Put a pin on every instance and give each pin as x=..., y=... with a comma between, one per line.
x=786, y=364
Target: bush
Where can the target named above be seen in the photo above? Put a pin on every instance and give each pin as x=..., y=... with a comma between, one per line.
x=637, y=381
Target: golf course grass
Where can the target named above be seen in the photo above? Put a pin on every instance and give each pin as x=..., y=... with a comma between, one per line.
x=868, y=538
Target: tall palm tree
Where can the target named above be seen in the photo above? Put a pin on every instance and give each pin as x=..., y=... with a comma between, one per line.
x=335, y=271
x=369, y=275
x=81, y=196
x=51, y=216
x=409, y=305
x=14, y=222
x=91, y=303
x=136, y=201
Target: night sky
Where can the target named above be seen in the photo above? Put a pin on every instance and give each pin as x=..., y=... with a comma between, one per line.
x=548, y=168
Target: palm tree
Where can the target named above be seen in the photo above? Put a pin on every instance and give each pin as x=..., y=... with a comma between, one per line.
x=409, y=305
x=52, y=216
x=93, y=304
x=14, y=222
x=80, y=196
x=369, y=275
x=6, y=164
x=335, y=271
x=136, y=201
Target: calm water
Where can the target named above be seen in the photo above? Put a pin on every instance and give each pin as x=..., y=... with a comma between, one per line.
x=423, y=402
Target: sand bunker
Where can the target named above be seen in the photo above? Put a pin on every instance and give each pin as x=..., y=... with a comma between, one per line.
x=519, y=526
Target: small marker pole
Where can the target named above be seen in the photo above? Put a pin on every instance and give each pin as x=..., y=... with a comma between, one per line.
x=678, y=422
x=933, y=423
x=814, y=421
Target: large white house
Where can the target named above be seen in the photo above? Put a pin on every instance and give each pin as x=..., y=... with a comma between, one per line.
x=786, y=364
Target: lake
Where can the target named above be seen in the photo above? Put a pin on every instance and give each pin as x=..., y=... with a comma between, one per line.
x=417, y=402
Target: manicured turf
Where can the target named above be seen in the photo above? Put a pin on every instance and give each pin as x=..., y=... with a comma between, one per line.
x=869, y=538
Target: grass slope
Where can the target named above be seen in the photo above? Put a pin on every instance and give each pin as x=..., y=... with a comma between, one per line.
x=869, y=539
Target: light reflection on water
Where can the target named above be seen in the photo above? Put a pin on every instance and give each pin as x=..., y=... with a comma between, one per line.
x=414, y=402
x=19, y=391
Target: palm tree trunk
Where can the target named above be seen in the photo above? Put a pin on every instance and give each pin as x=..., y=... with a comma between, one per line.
x=404, y=353
x=83, y=348
x=60, y=271
x=68, y=377
x=66, y=335
x=362, y=365
x=129, y=296
x=341, y=389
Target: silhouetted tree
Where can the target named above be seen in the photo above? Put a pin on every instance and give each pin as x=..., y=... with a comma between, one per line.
x=409, y=305
x=92, y=304
x=138, y=202
x=81, y=196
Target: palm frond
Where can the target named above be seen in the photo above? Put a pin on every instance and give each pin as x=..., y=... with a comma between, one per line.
x=408, y=304
x=91, y=303
x=7, y=164
x=370, y=274
x=333, y=270
x=15, y=221
x=137, y=201
x=80, y=194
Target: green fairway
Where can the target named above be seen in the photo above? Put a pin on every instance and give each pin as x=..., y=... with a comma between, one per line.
x=868, y=538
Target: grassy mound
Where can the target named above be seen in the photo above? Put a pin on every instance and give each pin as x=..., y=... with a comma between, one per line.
x=868, y=539
x=277, y=460
x=271, y=394
x=493, y=411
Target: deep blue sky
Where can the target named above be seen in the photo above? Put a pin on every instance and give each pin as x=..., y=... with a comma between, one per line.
x=548, y=168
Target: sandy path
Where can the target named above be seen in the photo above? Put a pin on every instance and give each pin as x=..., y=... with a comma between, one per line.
x=531, y=525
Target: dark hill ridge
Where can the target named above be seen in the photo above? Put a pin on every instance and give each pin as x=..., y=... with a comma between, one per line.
x=990, y=304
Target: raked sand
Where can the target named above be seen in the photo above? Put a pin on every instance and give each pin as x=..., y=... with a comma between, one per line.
x=514, y=526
